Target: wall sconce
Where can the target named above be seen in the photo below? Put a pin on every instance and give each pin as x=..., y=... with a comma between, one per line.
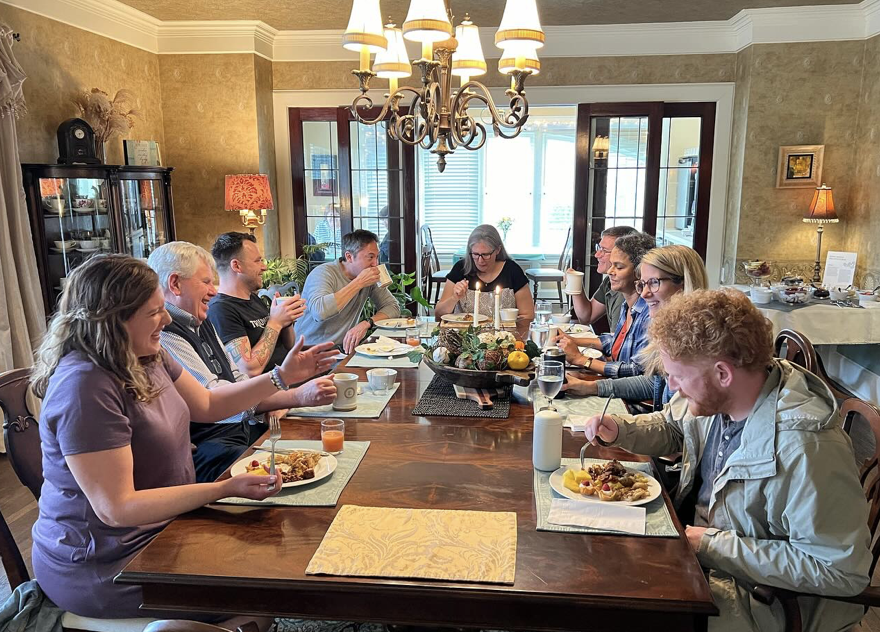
x=601, y=145
x=821, y=212
x=250, y=195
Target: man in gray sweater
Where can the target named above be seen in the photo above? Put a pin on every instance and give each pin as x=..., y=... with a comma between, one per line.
x=335, y=294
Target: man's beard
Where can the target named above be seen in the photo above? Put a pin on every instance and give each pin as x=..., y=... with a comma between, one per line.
x=711, y=403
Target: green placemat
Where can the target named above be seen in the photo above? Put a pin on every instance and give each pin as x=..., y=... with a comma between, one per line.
x=367, y=362
x=369, y=405
x=588, y=406
x=658, y=522
x=324, y=493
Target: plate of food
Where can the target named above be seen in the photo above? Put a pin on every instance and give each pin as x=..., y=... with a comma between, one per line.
x=296, y=467
x=384, y=348
x=464, y=318
x=605, y=482
x=397, y=323
x=578, y=331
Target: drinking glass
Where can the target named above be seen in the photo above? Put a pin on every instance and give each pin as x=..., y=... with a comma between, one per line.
x=543, y=311
x=333, y=435
x=539, y=334
x=412, y=336
x=550, y=378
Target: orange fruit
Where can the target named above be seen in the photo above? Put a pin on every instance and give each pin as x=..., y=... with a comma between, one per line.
x=519, y=345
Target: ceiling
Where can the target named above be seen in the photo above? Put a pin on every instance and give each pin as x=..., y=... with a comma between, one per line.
x=300, y=15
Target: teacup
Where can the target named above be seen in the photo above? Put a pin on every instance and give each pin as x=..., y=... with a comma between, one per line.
x=560, y=319
x=65, y=245
x=574, y=282
x=509, y=314
x=84, y=202
x=102, y=204
x=346, y=391
x=53, y=205
x=384, y=276
x=381, y=380
x=88, y=244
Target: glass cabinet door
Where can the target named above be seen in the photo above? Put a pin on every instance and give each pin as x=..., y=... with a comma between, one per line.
x=144, y=216
x=76, y=222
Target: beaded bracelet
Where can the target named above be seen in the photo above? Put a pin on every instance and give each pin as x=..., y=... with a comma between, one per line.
x=275, y=376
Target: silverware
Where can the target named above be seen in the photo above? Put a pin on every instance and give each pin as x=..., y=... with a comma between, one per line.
x=604, y=410
x=274, y=435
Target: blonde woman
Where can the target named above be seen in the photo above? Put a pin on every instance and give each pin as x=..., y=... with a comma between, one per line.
x=114, y=429
x=663, y=273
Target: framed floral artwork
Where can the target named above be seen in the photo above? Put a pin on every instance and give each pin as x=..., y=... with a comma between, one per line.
x=800, y=166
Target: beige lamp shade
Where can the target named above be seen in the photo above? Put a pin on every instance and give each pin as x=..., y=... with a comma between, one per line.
x=365, y=28
x=527, y=56
x=427, y=21
x=468, y=60
x=821, y=209
x=393, y=62
x=520, y=25
x=246, y=191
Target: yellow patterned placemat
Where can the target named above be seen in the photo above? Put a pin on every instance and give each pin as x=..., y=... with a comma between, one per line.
x=470, y=546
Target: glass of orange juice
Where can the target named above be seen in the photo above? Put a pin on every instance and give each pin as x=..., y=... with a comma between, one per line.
x=412, y=336
x=333, y=435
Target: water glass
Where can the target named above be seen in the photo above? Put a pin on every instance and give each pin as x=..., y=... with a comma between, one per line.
x=543, y=312
x=539, y=333
x=551, y=375
x=333, y=435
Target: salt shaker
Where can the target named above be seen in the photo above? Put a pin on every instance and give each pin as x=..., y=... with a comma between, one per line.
x=547, y=441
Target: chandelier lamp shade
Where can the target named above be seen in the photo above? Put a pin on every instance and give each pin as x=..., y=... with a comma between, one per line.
x=251, y=196
x=434, y=115
x=821, y=212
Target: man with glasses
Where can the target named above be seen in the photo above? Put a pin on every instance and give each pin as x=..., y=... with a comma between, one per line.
x=186, y=276
x=604, y=300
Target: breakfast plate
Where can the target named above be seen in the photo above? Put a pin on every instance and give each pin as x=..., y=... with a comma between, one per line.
x=89, y=249
x=559, y=487
x=397, y=323
x=380, y=350
x=463, y=318
x=578, y=332
x=324, y=468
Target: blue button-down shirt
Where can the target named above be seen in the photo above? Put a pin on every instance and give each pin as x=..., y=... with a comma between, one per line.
x=627, y=363
x=723, y=440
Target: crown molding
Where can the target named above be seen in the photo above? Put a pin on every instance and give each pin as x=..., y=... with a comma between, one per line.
x=112, y=19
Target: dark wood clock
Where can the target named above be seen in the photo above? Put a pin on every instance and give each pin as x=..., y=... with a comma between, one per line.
x=76, y=143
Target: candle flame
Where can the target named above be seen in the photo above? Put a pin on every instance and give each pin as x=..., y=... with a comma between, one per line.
x=478, y=285
x=498, y=289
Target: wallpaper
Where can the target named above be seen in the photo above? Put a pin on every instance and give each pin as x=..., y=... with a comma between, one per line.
x=61, y=60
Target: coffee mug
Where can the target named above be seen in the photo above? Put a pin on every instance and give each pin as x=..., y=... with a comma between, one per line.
x=509, y=314
x=381, y=380
x=346, y=391
x=574, y=282
x=384, y=276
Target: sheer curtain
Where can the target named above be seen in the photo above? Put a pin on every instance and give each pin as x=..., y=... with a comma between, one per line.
x=22, y=316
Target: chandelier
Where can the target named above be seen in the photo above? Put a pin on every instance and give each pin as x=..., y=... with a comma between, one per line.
x=438, y=118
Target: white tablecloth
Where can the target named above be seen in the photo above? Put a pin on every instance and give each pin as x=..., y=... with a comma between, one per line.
x=825, y=324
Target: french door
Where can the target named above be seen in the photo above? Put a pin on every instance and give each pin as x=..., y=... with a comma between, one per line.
x=346, y=176
x=646, y=165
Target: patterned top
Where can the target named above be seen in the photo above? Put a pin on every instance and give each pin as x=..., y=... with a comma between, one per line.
x=636, y=339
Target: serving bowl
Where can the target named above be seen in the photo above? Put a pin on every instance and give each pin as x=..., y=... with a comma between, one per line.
x=761, y=295
x=794, y=295
x=867, y=296
x=471, y=378
x=560, y=319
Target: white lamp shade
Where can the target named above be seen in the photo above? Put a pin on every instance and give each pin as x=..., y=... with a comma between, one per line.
x=507, y=63
x=393, y=62
x=365, y=28
x=427, y=21
x=468, y=60
x=520, y=25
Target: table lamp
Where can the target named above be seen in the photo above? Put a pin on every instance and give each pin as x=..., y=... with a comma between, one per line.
x=821, y=212
x=250, y=195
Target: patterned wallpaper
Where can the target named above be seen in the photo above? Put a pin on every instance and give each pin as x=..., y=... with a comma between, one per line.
x=61, y=60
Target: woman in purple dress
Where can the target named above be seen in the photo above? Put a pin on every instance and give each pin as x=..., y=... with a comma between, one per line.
x=114, y=427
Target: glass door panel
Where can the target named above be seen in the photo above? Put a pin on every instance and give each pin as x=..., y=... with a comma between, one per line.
x=679, y=176
x=321, y=167
x=617, y=174
x=144, y=217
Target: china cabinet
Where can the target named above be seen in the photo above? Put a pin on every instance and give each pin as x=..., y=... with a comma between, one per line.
x=78, y=211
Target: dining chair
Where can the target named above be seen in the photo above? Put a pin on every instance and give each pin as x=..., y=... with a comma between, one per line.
x=851, y=410
x=283, y=289
x=550, y=275
x=800, y=350
x=20, y=430
x=436, y=275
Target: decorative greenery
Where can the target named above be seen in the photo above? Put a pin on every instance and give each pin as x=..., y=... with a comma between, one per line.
x=504, y=224
x=108, y=116
x=399, y=283
x=283, y=270
x=479, y=348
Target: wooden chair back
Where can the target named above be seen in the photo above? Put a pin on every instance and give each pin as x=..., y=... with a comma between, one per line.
x=798, y=349
x=565, y=255
x=20, y=430
x=10, y=555
x=851, y=411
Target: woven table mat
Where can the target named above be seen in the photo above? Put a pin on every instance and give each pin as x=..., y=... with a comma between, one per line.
x=439, y=400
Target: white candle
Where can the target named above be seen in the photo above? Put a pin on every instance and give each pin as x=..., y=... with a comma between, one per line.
x=477, y=304
x=498, y=307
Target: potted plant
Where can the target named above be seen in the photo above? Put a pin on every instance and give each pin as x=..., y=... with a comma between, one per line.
x=398, y=288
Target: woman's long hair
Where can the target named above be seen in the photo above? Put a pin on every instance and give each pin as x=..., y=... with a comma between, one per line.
x=101, y=295
x=682, y=263
x=489, y=234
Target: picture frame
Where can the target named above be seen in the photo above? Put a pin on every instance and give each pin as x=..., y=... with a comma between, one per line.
x=323, y=173
x=142, y=153
x=800, y=166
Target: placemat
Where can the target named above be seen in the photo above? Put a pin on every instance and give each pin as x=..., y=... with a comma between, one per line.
x=324, y=493
x=367, y=362
x=587, y=406
x=369, y=405
x=658, y=522
x=452, y=545
x=439, y=400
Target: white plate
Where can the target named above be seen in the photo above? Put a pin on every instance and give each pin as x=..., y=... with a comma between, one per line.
x=590, y=352
x=63, y=250
x=372, y=349
x=556, y=483
x=325, y=467
x=89, y=249
x=463, y=318
x=397, y=323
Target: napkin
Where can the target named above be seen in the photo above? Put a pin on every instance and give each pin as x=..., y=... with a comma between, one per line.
x=597, y=515
x=384, y=343
x=577, y=423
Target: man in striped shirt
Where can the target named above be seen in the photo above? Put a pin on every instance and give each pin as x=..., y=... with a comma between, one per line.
x=186, y=275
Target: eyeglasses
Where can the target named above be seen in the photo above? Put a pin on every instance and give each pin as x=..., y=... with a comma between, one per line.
x=654, y=284
x=599, y=249
x=482, y=255
x=209, y=352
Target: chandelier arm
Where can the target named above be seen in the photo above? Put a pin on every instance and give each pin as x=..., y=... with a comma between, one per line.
x=515, y=116
x=362, y=101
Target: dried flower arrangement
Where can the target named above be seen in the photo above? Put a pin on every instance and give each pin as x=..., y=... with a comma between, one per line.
x=108, y=117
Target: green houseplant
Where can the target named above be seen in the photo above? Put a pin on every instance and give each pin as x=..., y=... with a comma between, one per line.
x=398, y=288
x=281, y=270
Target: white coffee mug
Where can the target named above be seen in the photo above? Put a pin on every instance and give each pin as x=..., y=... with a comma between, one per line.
x=574, y=282
x=384, y=276
x=346, y=391
x=509, y=314
x=381, y=380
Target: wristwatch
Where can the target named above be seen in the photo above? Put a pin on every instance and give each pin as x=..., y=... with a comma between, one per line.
x=371, y=321
x=589, y=362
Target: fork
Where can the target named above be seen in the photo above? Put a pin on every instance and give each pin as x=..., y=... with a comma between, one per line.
x=274, y=435
x=604, y=410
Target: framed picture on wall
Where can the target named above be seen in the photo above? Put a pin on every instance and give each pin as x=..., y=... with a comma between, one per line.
x=144, y=153
x=800, y=166
x=323, y=174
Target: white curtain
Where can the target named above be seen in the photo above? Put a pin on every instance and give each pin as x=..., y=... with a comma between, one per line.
x=22, y=316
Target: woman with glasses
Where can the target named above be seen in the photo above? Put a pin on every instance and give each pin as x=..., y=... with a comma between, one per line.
x=620, y=350
x=486, y=262
x=663, y=273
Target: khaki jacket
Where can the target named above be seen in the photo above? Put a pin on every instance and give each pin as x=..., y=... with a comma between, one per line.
x=787, y=510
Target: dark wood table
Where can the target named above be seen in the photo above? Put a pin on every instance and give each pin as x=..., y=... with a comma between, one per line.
x=252, y=560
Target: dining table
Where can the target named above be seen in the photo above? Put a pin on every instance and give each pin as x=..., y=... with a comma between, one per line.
x=252, y=559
